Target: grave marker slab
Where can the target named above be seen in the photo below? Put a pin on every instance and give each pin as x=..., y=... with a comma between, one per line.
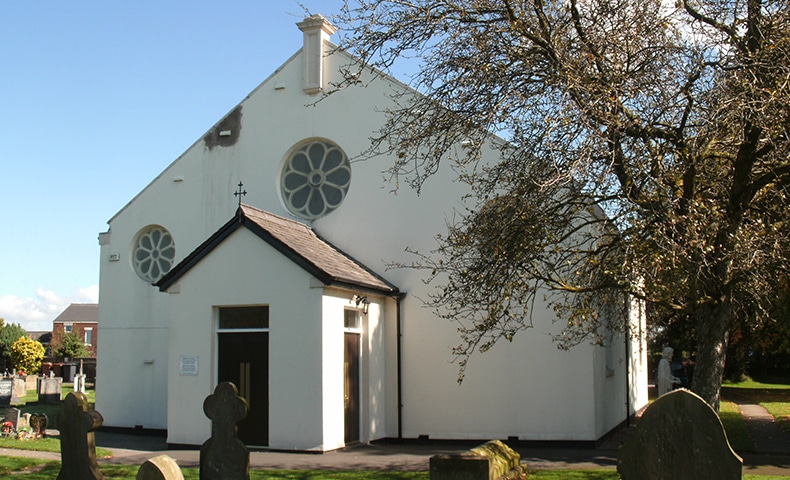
x=77, y=422
x=12, y=415
x=224, y=456
x=31, y=382
x=679, y=437
x=79, y=382
x=490, y=461
x=50, y=389
x=24, y=420
x=6, y=390
x=19, y=390
x=162, y=467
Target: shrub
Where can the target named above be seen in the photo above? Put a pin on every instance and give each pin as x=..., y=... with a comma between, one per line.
x=26, y=355
x=72, y=347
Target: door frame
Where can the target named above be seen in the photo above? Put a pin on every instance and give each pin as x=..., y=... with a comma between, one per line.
x=356, y=331
x=218, y=331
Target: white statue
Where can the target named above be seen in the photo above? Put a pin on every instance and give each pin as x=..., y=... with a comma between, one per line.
x=665, y=380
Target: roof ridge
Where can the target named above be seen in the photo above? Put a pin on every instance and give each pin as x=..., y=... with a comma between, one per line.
x=274, y=216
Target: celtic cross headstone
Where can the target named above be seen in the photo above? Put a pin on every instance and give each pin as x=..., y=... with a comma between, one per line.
x=224, y=456
x=77, y=421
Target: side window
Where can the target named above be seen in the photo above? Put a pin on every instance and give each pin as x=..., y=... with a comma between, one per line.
x=154, y=253
x=351, y=320
x=244, y=318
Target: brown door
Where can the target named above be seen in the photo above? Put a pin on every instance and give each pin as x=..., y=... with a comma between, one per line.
x=351, y=390
x=244, y=360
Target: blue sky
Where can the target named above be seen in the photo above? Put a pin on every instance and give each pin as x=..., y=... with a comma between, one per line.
x=97, y=98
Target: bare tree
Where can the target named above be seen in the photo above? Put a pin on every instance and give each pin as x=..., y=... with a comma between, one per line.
x=646, y=153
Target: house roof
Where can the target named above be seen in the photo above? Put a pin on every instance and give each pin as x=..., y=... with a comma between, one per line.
x=79, y=312
x=43, y=337
x=296, y=241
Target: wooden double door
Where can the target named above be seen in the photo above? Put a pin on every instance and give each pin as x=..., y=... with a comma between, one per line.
x=243, y=358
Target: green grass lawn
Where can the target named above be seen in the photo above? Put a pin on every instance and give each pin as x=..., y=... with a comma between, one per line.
x=735, y=426
x=29, y=405
x=780, y=411
x=66, y=388
x=752, y=384
x=33, y=469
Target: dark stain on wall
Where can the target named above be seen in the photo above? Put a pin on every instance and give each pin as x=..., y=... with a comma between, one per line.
x=226, y=132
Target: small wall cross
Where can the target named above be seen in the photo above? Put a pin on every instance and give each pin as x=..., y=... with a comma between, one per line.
x=240, y=193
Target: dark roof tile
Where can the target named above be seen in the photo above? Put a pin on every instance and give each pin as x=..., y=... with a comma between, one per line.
x=303, y=240
x=295, y=240
x=80, y=312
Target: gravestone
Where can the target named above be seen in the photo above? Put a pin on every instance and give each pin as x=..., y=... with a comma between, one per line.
x=19, y=390
x=12, y=416
x=79, y=382
x=6, y=390
x=224, y=456
x=489, y=461
x=77, y=422
x=31, y=382
x=24, y=420
x=162, y=467
x=49, y=390
x=679, y=437
x=38, y=423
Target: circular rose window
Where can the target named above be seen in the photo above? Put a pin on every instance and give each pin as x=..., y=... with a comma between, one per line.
x=154, y=253
x=315, y=179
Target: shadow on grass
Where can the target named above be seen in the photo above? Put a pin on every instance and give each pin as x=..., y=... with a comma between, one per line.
x=36, y=469
x=574, y=475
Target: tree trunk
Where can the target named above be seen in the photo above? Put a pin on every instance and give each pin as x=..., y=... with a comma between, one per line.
x=712, y=325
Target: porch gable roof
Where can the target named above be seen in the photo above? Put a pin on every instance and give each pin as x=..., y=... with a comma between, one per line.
x=297, y=242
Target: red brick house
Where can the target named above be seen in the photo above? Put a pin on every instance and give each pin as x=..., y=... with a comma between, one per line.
x=80, y=318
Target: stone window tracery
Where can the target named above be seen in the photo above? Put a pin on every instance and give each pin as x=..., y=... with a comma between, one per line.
x=315, y=179
x=154, y=253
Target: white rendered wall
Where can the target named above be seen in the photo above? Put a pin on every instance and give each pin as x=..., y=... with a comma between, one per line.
x=192, y=198
x=260, y=276
x=528, y=389
x=376, y=389
x=622, y=391
x=132, y=372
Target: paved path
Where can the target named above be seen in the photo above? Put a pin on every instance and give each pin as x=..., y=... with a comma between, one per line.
x=766, y=434
x=772, y=457
x=136, y=449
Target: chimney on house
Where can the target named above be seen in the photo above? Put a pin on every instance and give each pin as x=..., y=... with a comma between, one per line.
x=317, y=31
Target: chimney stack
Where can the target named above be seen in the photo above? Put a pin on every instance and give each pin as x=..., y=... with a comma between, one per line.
x=317, y=31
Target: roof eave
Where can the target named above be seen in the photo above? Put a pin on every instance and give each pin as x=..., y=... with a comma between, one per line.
x=363, y=288
x=239, y=220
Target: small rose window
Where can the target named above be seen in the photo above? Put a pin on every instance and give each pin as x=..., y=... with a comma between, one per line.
x=154, y=253
x=315, y=179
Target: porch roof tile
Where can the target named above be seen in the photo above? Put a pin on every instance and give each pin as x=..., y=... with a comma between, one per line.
x=298, y=242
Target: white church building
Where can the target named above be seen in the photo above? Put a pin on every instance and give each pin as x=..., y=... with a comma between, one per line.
x=286, y=292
